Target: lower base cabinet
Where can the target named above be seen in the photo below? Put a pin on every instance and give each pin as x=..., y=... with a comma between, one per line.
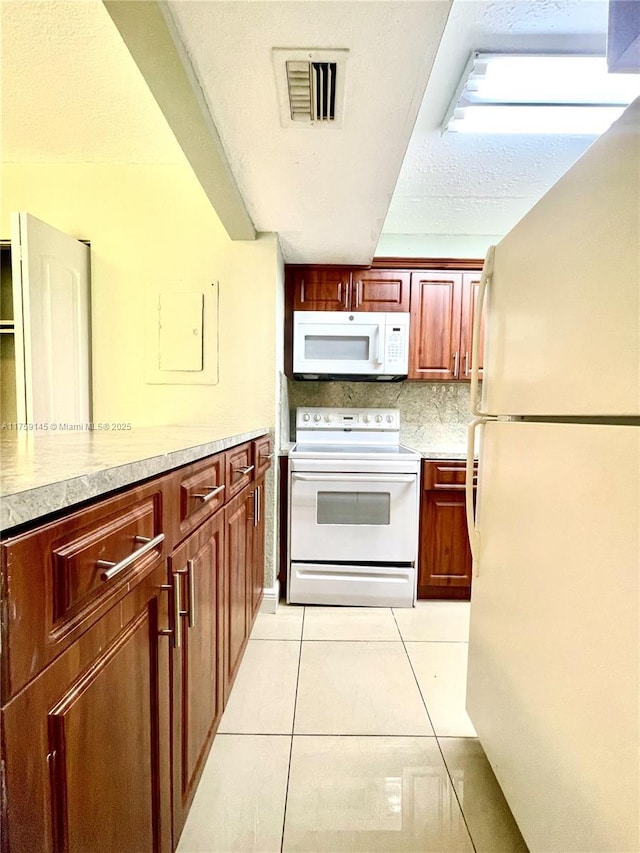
x=445, y=566
x=238, y=534
x=104, y=741
x=86, y=743
x=196, y=569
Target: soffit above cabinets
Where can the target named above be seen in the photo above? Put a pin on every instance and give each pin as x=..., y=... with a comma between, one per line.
x=324, y=190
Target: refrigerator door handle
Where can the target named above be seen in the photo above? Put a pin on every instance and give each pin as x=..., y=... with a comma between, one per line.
x=485, y=278
x=474, y=533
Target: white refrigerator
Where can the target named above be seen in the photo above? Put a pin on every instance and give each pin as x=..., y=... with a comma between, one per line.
x=553, y=681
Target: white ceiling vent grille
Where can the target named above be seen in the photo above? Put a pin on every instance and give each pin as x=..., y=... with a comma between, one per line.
x=310, y=86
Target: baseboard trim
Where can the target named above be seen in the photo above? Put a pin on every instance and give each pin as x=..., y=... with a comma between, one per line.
x=270, y=598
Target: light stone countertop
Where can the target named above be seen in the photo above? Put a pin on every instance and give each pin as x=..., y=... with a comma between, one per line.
x=42, y=472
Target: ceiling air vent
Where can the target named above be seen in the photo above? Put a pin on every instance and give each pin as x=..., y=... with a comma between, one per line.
x=310, y=86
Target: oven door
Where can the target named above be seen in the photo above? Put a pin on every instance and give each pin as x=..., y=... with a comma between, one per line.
x=354, y=517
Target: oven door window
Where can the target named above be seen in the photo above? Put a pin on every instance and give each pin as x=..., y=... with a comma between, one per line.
x=372, y=508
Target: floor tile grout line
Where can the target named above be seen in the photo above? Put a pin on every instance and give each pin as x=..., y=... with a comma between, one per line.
x=444, y=761
x=293, y=725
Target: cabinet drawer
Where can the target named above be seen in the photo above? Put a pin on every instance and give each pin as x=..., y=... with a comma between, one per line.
x=60, y=578
x=239, y=469
x=446, y=474
x=201, y=491
x=262, y=454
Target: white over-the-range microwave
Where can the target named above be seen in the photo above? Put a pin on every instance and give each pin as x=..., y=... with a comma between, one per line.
x=344, y=345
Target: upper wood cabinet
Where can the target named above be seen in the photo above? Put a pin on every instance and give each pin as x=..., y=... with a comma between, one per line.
x=380, y=290
x=344, y=289
x=442, y=316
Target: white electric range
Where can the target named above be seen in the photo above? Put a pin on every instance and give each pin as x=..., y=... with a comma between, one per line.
x=353, y=509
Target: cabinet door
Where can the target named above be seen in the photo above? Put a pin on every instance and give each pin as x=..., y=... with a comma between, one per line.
x=380, y=290
x=445, y=557
x=434, y=350
x=86, y=764
x=322, y=289
x=257, y=570
x=470, y=285
x=238, y=543
x=196, y=566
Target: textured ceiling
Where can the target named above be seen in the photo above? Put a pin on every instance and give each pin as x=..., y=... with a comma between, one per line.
x=72, y=93
x=459, y=184
x=325, y=191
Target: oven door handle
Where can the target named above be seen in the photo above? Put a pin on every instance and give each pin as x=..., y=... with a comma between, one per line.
x=355, y=478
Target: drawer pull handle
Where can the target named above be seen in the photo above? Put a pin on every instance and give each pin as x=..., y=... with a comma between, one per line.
x=266, y=456
x=212, y=491
x=113, y=569
x=244, y=470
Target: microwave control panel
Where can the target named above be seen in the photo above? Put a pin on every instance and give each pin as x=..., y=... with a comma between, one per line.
x=396, y=345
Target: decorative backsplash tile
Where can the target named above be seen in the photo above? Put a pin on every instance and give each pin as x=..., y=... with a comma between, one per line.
x=434, y=415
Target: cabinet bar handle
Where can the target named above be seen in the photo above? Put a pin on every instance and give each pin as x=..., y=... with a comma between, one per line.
x=266, y=456
x=192, y=593
x=113, y=569
x=244, y=470
x=466, y=364
x=259, y=490
x=455, y=364
x=166, y=632
x=212, y=491
x=178, y=613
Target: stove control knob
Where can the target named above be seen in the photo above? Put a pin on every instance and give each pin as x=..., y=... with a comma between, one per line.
x=366, y=419
x=317, y=418
x=390, y=418
x=306, y=417
x=328, y=418
x=378, y=418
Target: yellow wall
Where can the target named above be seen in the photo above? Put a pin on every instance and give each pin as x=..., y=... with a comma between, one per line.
x=152, y=225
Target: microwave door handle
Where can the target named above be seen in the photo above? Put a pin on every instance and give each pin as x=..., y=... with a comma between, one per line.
x=380, y=344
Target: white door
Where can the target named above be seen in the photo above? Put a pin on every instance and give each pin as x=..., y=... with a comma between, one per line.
x=554, y=672
x=563, y=308
x=354, y=517
x=52, y=309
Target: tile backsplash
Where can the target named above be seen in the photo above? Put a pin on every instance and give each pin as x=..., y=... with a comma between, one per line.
x=433, y=415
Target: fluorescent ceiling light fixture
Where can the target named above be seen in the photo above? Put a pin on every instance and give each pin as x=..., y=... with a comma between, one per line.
x=536, y=93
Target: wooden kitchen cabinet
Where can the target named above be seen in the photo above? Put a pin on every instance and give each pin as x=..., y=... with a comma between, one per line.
x=257, y=550
x=442, y=315
x=444, y=561
x=348, y=289
x=113, y=687
x=86, y=759
x=196, y=570
x=238, y=582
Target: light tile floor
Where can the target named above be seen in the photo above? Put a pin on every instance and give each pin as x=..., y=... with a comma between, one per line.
x=346, y=731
